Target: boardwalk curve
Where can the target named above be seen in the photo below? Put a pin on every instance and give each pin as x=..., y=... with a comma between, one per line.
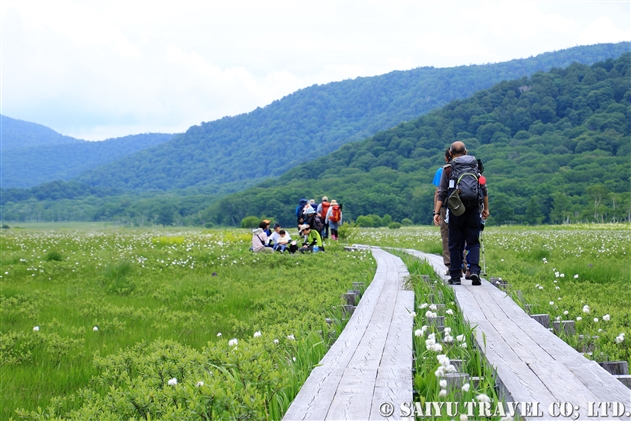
x=531, y=363
x=371, y=361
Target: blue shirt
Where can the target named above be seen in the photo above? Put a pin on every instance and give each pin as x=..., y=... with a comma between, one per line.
x=438, y=176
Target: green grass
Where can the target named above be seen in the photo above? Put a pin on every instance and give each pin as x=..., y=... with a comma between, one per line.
x=150, y=294
x=598, y=255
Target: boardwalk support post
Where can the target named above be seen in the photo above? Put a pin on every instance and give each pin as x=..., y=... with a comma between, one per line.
x=542, y=319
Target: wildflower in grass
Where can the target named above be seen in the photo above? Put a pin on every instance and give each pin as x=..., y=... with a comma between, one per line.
x=466, y=387
x=447, y=330
x=541, y=287
x=36, y=329
x=586, y=309
x=557, y=288
x=257, y=334
x=576, y=276
x=556, y=274
x=412, y=314
x=418, y=332
x=442, y=393
x=483, y=398
x=565, y=313
x=219, y=335
x=433, y=307
x=172, y=382
x=562, y=275
x=430, y=314
x=537, y=286
x=291, y=337
x=443, y=384
x=620, y=338
x=233, y=342
x=463, y=345
x=600, y=330
x=275, y=341
x=460, y=338
x=448, y=339
x=464, y=417
x=606, y=317
x=436, y=348
x=422, y=306
x=551, y=303
x=450, y=369
x=95, y=329
x=450, y=312
x=501, y=260
x=430, y=342
x=440, y=371
x=595, y=319
x=199, y=384
x=579, y=318
x=443, y=359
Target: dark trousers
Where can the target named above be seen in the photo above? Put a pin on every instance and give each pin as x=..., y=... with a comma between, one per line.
x=464, y=228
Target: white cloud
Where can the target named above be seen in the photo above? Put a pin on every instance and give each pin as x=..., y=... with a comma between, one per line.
x=84, y=67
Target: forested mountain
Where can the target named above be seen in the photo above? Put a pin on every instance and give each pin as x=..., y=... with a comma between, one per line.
x=313, y=122
x=17, y=134
x=29, y=166
x=556, y=147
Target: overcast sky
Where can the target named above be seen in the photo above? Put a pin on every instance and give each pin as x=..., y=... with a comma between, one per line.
x=100, y=69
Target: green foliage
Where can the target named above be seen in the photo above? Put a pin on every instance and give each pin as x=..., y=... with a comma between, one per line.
x=250, y=222
x=394, y=225
x=323, y=118
x=103, y=349
x=406, y=222
x=53, y=255
x=567, y=166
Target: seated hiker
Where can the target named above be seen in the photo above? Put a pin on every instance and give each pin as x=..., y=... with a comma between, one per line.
x=260, y=241
x=273, y=236
x=312, y=241
x=282, y=243
x=313, y=220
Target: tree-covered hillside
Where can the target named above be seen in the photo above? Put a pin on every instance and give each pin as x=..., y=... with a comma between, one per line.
x=28, y=167
x=18, y=134
x=556, y=147
x=313, y=122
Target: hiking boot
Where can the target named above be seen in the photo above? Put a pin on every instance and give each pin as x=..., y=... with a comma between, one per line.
x=475, y=279
x=467, y=275
x=454, y=281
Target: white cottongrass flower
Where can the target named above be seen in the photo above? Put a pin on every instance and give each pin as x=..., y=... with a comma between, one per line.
x=620, y=338
x=35, y=328
x=172, y=382
x=275, y=341
x=606, y=317
x=579, y=318
x=442, y=393
x=556, y=274
x=291, y=337
x=541, y=288
x=464, y=417
x=551, y=303
x=413, y=314
x=199, y=384
x=557, y=288
x=562, y=275
x=257, y=334
x=537, y=286
x=95, y=329
x=443, y=384
x=450, y=368
x=483, y=398
x=436, y=348
x=586, y=309
x=576, y=276
x=447, y=330
x=219, y=335
x=443, y=359
x=448, y=339
x=233, y=342
x=418, y=332
x=433, y=307
x=565, y=313
x=422, y=306
x=463, y=345
x=450, y=312
x=460, y=338
x=600, y=330
x=595, y=319
x=440, y=371
x=466, y=387
x=429, y=314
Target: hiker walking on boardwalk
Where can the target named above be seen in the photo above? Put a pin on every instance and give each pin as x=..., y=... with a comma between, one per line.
x=467, y=200
x=444, y=230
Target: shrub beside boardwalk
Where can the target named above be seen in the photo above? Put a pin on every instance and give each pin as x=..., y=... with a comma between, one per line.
x=122, y=323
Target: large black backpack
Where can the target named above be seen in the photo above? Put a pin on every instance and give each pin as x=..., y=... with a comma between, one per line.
x=464, y=178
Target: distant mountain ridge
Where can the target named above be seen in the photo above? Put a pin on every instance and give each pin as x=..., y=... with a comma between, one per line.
x=33, y=154
x=19, y=134
x=315, y=121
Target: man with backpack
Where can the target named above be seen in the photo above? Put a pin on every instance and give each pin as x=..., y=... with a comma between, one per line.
x=334, y=218
x=465, y=192
x=323, y=209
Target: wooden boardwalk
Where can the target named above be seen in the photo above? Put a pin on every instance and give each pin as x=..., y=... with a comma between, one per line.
x=371, y=361
x=531, y=363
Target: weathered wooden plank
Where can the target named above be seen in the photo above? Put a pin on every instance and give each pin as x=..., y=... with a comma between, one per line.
x=351, y=374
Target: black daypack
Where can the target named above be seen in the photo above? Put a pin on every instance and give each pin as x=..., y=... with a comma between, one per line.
x=464, y=179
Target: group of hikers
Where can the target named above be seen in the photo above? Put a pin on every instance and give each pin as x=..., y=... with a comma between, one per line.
x=315, y=223
x=461, y=206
